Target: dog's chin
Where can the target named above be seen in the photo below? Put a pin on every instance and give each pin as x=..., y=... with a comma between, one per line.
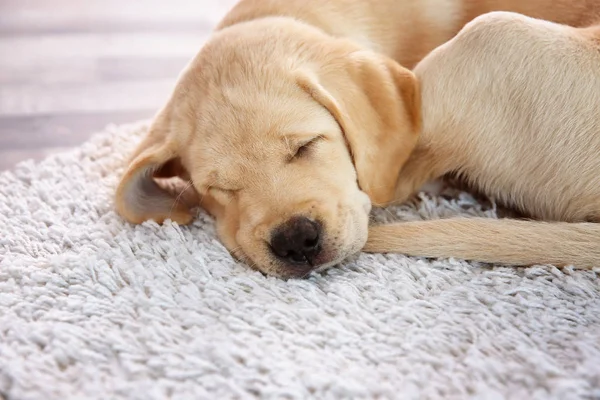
x=305, y=270
x=329, y=260
x=298, y=270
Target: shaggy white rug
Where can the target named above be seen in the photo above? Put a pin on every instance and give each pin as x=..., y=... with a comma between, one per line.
x=94, y=308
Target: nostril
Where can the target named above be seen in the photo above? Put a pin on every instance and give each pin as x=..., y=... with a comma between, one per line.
x=297, y=257
x=311, y=243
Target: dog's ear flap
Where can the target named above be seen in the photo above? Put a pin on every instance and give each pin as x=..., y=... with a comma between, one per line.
x=376, y=102
x=139, y=198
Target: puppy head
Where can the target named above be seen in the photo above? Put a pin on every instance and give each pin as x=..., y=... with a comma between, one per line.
x=287, y=135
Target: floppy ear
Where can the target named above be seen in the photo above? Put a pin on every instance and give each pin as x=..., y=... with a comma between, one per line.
x=138, y=197
x=376, y=102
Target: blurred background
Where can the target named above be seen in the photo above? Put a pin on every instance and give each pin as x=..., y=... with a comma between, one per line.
x=68, y=68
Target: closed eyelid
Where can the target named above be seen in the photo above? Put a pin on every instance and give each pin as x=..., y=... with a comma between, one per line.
x=296, y=141
x=224, y=189
x=298, y=144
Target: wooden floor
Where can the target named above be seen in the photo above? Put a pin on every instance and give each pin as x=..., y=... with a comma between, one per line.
x=70, y=67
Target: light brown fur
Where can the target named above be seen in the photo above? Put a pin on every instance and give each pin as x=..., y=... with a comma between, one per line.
x=512, y=105
x=277, y=74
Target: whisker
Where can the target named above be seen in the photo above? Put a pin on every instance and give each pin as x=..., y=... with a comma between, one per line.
x=387, y=211
x=187, y=186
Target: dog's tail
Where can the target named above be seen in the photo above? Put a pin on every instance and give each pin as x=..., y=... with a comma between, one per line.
x=500, y=241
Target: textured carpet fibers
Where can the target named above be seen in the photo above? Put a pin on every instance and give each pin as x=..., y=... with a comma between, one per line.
x=94, y=308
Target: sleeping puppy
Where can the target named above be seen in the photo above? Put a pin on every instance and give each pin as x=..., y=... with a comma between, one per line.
x=295, y=117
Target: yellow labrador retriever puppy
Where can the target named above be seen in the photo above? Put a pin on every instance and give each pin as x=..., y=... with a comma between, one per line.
x=296, y=116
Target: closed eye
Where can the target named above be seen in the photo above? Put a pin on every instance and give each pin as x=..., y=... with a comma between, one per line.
x=305, y=148
x=221, y=193
x=221, y=189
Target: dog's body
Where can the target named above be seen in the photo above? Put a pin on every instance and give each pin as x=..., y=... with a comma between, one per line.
x=531, y=140
x=406, y=30
x=296, y=110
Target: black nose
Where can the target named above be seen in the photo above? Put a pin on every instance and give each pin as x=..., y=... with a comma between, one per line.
x=298, y=240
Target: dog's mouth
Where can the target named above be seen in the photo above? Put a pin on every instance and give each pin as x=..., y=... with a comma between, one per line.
x=293, y=265
x=304, y=268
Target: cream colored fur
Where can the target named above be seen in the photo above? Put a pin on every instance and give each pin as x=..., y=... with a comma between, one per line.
x=302, y=108
x=512, y=105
